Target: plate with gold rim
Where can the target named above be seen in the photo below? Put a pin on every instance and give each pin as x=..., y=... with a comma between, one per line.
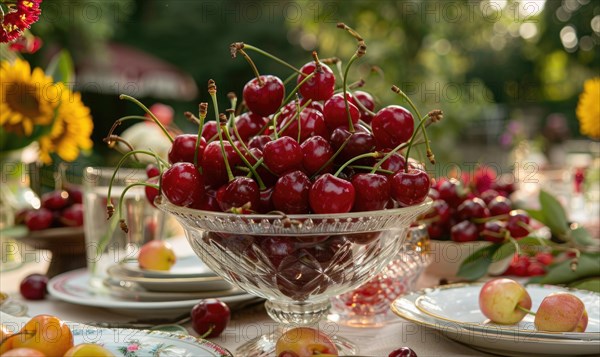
x=459, y=304
x=517, y=343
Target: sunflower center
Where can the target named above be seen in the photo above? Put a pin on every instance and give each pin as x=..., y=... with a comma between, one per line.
x=22, y=98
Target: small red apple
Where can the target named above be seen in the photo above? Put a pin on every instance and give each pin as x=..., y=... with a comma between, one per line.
x=561, y=312
x=156, y=255
x=499, y=301
x=305, y=341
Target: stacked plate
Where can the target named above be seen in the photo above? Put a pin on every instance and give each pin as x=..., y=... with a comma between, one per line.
x=188, y=279
x=454, y=311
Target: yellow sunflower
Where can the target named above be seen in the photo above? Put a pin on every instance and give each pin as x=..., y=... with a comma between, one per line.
x=588, y=108
x=27, y=99
x=71, y=131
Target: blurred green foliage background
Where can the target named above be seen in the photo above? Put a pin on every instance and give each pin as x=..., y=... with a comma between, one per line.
x=482, y=62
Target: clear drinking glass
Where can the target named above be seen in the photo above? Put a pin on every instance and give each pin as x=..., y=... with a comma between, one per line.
x=106, y=242
x=369, y=305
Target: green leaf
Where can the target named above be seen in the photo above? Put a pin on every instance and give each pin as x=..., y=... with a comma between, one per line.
x=61, y=68
x=504, y=251
x=582, y=236
x=476, y=265
x=592, y=284
x=561, y=273
x=536, y=214
x=554, y=214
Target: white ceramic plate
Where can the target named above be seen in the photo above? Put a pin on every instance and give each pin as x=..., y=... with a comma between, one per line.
x=203, y=283
x=460, y=305
x=73, y=287
x=185, y=267
x=133, y=291
x=519, y=343
x=128, y=342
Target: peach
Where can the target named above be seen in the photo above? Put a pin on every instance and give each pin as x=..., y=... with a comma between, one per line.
x=23, y=352
x=45, y=333
x=500, y=299
x=156, y=255
x=88, y=350
x=561, y=312
x=305, y=341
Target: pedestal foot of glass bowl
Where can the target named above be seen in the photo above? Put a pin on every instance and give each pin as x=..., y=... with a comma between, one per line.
x=264, y=346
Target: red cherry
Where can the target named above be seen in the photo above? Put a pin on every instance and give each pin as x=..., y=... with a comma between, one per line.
x=215, y=173
x=316, y=152
x=544, y=257
x=519, y=265
x=472, y=209
x=240, y=192
x=394, y=163
x=33, y=287
x=437, y=230
x=55, y=200
x=494, y=231
x=268, y=178
x=283, y=155
x=312, y=123
x=536, y=269
x=152, y=171
x=276, y=248
x=409, y=188
x=403, y=352
x=368, y=102
x=518, y=221
x=392, y=126
x=320, y=86
x=72, y=216
x=335, y=113
x=249, y=124
x=331, y=194
x=208, y=202
x=264, y=98
x=183, y=148
x=75, y=195
x=210, y=315
x=209, y=130
x=499, y=206
x=266, y=200
x=357, y=143
x=465, y=231
x=488, y=195
x=439, y=212
x=183, y=184
x=372, y=192
x=258, y=142
x=151, y=192
x=291, y=193
x=40, y=219
x=452, y=192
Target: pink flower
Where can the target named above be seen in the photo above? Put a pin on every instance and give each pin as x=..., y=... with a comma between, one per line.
x=133, y=347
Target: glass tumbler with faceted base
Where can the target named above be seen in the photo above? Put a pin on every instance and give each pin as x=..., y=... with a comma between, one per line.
x=296, y=262
x=369, y=305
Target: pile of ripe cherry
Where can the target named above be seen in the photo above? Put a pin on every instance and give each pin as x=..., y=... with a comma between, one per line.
x=321, y=149
x=477, y=208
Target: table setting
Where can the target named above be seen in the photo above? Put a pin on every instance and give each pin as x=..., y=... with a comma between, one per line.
x=310, y=216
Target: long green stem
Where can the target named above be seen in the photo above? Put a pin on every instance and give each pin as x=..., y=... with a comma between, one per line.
x=410, y=143
x=139, y=104
x=345, y=90
x=358, y=157
x=397, y=90
x=212, y=91
x=368, y=168
x=274, y=58
x=202, y=113
x=253, y=66
x=260, y=182
x=296, y=88
x=122, y=198
x=328, y=162
x=525, y=310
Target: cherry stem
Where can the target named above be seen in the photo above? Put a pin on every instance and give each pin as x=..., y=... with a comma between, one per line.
x=290, y=122
x=289, y=79
x=202, y=111
x=430, y=155
x=388, y=155
x=296, y=88
x=125, y=118
x=114, y=175
x=253, y=66
x=328, y=162
x=525, y=310
x=212, y=91
x=122, y=198
x=345, y=89
x=358, y=157
x=246, y=149
x=223, y=118
x=486, y=219
x=298, y=111
x=361, y=167
x=363, y=108
x=275, y=58
x=410, y=144
x=112, y=139
x=233, y=104
x=261, y=184
x=154, y=118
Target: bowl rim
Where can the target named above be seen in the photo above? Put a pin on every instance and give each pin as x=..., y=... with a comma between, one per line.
x=164, y=204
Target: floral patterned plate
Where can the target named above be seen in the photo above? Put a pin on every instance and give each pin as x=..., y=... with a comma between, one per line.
x=134, y=343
